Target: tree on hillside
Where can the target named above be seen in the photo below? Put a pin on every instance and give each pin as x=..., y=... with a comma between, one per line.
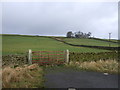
x=69, y=34
x=78, y=34
x=89, y=34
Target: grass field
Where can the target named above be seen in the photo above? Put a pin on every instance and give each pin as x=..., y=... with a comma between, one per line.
x=113, y=40
x=91, y=42
x=13, y=44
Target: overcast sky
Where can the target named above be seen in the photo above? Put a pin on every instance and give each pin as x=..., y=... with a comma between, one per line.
x=57, y=18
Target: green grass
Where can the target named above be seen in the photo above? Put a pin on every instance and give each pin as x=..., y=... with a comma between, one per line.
x=113, y=40
x=12, y=44
x=91, y=42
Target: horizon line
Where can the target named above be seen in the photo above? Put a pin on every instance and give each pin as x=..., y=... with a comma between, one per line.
x=52, y=35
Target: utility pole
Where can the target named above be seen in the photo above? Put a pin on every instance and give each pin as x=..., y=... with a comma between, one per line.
x=109, y=39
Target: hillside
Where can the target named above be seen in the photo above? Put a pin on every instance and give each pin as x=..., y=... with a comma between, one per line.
x=91, y=42
x=20, y=44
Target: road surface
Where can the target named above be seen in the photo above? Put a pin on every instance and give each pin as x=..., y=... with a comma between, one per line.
x=79, y=79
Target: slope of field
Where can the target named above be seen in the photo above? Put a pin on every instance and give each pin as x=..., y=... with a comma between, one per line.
x=12, y=44
x=91, y=42
x=107, y=40
x=113, y=40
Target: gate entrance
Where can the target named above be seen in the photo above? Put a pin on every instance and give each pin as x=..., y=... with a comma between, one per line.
x=49, y=57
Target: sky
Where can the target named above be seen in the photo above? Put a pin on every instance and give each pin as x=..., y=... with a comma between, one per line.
x=57, y=18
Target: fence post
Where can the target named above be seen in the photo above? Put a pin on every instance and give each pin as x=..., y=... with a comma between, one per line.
x=67, y=56
x=30, y=56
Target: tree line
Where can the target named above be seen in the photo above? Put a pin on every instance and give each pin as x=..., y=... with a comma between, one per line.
x=78, y=34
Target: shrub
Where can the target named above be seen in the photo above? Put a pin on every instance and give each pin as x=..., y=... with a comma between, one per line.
x=93, y=56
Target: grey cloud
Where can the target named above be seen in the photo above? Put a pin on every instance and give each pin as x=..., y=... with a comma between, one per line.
x=58, y=18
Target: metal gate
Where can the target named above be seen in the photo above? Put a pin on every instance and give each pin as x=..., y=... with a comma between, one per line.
x=48, y=57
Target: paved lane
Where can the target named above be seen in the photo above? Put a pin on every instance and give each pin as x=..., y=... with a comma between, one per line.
x=80, y=79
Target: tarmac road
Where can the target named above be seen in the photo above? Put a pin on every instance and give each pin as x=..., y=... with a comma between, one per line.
x=80, y=79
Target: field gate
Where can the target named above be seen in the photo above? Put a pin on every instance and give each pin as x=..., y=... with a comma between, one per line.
x=48, y=57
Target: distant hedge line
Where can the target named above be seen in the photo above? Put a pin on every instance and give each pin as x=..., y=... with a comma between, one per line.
x=93, y=56
x=89, y=46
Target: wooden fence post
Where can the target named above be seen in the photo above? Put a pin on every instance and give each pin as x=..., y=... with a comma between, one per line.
x=67, y=56
x=30, y=56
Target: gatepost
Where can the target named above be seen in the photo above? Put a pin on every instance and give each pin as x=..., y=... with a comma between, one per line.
x=30, y=56
x=67, y=56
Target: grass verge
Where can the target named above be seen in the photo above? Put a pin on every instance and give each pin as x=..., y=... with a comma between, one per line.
x=27, y=76
x=106, y=66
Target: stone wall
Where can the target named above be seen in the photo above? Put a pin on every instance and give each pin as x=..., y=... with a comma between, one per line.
x=14, y=60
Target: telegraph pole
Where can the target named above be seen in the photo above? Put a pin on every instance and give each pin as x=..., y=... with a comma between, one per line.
x=109, y=39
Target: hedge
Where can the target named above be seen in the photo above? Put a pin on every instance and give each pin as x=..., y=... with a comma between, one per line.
x=93, y=56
